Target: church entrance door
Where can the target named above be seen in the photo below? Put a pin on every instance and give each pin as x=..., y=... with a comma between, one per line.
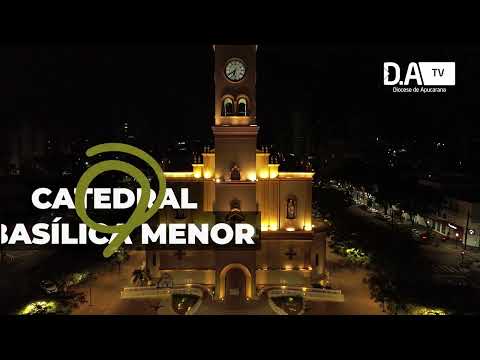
x=235, y=287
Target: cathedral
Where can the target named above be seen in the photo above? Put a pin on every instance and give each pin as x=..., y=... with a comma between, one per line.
x=236, y=177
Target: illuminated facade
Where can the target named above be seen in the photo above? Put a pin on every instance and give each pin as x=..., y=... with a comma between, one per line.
x=236, y=175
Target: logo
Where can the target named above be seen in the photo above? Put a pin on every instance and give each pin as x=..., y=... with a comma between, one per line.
x=419, y=77
x=141, y=213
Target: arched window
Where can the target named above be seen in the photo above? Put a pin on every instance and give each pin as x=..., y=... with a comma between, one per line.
x=242, y=107
x=227, y=107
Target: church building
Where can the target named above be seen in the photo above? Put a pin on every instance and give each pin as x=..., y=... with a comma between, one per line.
x=238, y=176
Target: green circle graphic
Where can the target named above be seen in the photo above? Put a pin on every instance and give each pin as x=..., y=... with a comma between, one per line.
x=141, y=214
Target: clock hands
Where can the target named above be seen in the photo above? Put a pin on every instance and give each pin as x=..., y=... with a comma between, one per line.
x=234, y=72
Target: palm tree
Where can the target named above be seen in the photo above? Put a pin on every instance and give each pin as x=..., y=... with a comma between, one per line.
x=118, y=258
x=139, y=277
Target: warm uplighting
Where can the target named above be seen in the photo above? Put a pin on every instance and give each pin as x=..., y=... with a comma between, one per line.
x=308, y=227
x=252, y=177
x=207, y=174
x=283, y=287
x=304, y=289
x=273, y=168
x=288, y=268
x=217, y=180
x=271, y=227
x=296, y=175
x=178, y=175
x=197, y=170
x=290, y=229
x=310, y=268
x=263, y=174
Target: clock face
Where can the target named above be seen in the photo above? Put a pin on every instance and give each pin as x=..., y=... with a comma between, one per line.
x=235, y=70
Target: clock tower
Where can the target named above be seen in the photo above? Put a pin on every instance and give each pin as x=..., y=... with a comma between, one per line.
x=235, y=128
x=235, y=80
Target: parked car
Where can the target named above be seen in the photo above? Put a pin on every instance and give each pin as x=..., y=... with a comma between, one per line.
x=416, y=233
x=48, y=286
x=425, y=236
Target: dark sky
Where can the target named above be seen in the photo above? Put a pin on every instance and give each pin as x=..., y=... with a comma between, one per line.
x=168, y=88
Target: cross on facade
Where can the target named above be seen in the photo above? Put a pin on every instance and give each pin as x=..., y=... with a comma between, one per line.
x=290, y=254
x=180, y=254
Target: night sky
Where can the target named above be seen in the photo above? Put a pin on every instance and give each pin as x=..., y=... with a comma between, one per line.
x=166, y=90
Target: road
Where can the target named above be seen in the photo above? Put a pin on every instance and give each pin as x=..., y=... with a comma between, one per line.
x=437, y=251
x=437, y=275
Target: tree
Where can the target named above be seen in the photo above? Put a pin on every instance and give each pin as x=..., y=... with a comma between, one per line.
x=140, y=276
x=420, y=200
x=391, y=187
x=40, y=309
x=119, y=257
x=413, y=206
x=330, y=201
x=385, y=197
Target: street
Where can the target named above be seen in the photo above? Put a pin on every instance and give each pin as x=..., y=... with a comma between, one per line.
x=437, y=251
